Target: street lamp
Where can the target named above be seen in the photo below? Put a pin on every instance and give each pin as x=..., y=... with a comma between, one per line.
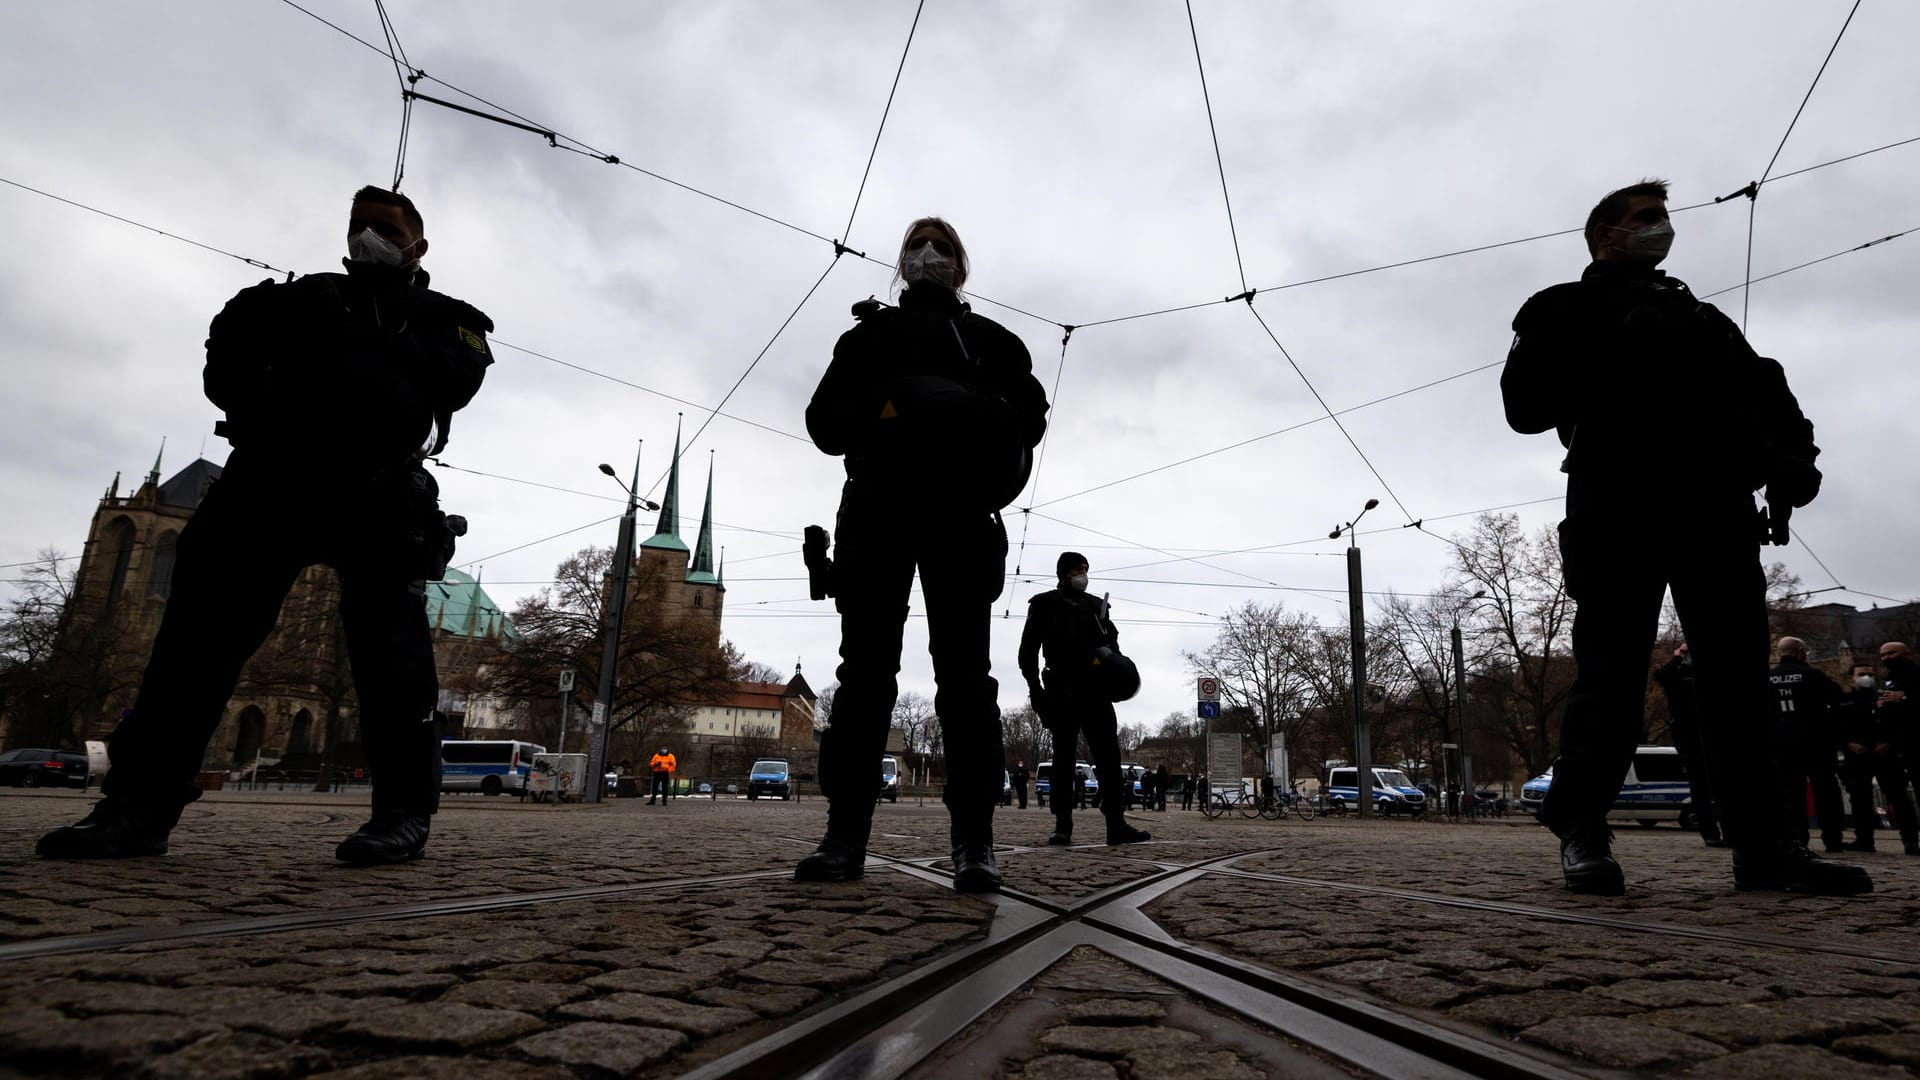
x=1460, y=696
x=1362, y=738
x=598, y=725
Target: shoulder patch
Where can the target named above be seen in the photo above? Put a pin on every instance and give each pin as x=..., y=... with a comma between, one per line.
x=474, y=341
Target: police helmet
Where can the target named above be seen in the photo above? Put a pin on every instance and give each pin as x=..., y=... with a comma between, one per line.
x=1116, y=676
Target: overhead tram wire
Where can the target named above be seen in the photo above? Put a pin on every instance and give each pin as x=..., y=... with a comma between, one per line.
x=1811, y=262
x=847, y=233
x=1040, y=462
x=150, y=228
x=1219, y=164
x=399, y=56
x=1752, y=191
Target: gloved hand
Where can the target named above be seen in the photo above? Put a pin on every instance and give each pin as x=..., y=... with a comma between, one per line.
x=1792, y=482
x=1042, y=702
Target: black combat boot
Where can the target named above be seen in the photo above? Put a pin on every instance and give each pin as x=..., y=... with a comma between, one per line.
x=1118, y=831
x=392, y=836
x=1586, y=858
x=1062, y=834
x=974, y=868
x=117, y=828
x=842, y=855
x=1792, y=868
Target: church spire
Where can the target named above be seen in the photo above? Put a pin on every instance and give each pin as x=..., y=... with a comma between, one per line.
x=154, y=476
x=666, y=535
x=701, y=572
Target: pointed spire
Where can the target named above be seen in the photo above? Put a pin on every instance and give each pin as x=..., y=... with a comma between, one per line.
x=154, y=476
x=666, y=535
x=114, y=491
x=720, y=573
x=701, y=572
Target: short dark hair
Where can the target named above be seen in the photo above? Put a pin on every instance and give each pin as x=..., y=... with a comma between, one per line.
x=1611, y=209
x=393, y=198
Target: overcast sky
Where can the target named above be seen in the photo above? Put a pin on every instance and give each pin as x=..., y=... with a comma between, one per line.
x=1069, y=144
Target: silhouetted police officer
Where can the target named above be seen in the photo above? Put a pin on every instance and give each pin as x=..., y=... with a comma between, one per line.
x=1020, y=778
x=937, y=411
x=1867, y=732
x=335, y=386
x=1806, y=697
x=1635, y=373
x=1683, y=726
x=1073, y=630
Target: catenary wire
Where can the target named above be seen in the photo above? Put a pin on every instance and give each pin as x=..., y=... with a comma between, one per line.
x=1753, y=193
x=142, y=225
x=399, y=55
x=1026, y=519
x=1329, y=411
x=1219, y=164
x=847, y=233
x=1811, y=262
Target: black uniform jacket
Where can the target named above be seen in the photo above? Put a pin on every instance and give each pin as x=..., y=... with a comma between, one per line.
x=1069, y=625
x=359, y=367
x=1637, y=377
x=931, y=394
x=1806, y=697
x=1859, y=720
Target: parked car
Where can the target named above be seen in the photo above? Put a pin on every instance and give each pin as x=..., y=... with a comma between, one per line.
x=488, y=766
x=769, y=777
x=1393, y=792
x=889, y=779
x=43, y=768
x=1655, y=790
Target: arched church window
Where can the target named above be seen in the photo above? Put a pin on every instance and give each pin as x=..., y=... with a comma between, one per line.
x=118, y=539
x=160, y=578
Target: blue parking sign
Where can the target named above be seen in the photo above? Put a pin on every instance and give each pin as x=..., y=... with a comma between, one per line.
x=1209, y=710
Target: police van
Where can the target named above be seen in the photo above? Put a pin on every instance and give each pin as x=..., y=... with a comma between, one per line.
x=1393, y=791
x=889, y=779
x=769, y=777
x=488, y=766
x=1655, y=790
x=1043, y=781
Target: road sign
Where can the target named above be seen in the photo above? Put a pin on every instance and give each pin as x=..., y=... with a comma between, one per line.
x=566, y=680
x=1209, y=689
x=1209, y=710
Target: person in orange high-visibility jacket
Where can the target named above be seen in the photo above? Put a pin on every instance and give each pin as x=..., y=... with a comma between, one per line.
x=662, y=764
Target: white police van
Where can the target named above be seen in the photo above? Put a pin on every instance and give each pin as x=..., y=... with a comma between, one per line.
x=1655, y=790
x=1393, y=791
x=488, y=766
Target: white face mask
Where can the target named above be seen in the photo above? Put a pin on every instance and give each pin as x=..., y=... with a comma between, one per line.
x=1078, y=583
x=925, y=265
x=1647, y=246
x=367, y=246
x=1864, y=682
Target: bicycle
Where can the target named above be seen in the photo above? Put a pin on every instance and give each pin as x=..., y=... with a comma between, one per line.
x=1275, y=805
x=1219, y=800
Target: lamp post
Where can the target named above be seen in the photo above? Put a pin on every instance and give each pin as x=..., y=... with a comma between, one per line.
x=1356, y=611
x=1460, y=698
x=601, y=721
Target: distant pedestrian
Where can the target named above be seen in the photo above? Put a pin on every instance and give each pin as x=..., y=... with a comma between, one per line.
x=1020, y=779
x=1675, y=678
x=1160, y=781
x=1807, y=741
x=1867, y=734
x=1146, y=789
x=662, y=765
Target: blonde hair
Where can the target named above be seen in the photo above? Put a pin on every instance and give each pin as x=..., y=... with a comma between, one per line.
x=961, y=265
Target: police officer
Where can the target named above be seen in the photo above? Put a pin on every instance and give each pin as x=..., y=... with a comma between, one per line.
x=937, y=411
x=1073, y=629
x=1867, y=733
x=1020, y=778
x=1683, y=714
x=1635, y=373
x=335, y=386
x=1896, y=700
x=1806, y=697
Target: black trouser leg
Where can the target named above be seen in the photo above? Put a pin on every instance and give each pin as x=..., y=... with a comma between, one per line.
x=1816, y=763
x=657, y=787
x=1102, y=730
x=229, y=579
x=384, y=619
x=1719, y=591
x=1893, y=785
x=1066, y=754
x=873, y=587
x=958, y=580
x=1020, y=794
x=1686, y=739
x=1613, y=631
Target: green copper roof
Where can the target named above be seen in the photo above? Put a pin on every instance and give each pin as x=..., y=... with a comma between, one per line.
x=701, y=572
x=666, y=535
x=458, y=605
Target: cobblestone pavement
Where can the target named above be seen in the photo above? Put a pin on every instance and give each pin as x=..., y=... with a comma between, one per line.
x=284, y=963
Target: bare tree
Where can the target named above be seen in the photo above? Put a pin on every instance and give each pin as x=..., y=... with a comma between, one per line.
x=1270, y=662
x=1525, y=623
x=665, y=662
x=63, y=667
x=1024, y=734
